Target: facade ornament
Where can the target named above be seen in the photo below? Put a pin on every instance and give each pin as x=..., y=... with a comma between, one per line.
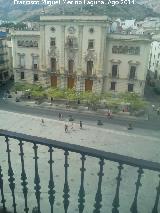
x=90, y=55
x=71, y=30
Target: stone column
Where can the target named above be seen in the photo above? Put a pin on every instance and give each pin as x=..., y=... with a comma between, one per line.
x=62, y=55
x=100, y=72
x=79, y=71
x=42, y=48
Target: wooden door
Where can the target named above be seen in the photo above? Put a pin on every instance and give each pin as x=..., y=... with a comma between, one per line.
x=53, y=81
x=70, y=83
x=88, y=85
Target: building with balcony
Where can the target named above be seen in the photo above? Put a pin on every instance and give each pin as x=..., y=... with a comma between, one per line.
x=77, y=52
x=5, y=56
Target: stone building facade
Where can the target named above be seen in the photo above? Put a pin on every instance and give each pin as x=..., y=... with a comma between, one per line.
x=78, y=52
x=5, y=62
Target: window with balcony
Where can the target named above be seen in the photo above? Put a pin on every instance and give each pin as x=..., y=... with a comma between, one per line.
x=22, y=75
x=91, y=44
x=114, y=70
x=52, y=42
x=113, y=85
x=89, y=67
x=130, y=87
x=70, y=42
x=53, y=65
x=35, y=77
x=70, y=66
x=132, y=72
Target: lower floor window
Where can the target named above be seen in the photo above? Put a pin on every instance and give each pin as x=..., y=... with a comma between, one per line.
x=130, y=87
x=22, y=75
x=113, y=85
x=35, y=77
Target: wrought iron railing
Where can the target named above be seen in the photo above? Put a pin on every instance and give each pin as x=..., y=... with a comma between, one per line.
x=85, y=153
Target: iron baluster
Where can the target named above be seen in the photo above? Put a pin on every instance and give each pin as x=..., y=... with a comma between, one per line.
x=24, y=182
x=66, y=186
x=98, y=197
x=11, y=178
x=1, y=188
x=115, y=203
x=37, y=178
x=81, y=193
x=134, y=208
x=155, y=208
x=51, y=185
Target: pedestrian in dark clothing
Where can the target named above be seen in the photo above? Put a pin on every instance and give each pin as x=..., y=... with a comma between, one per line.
x=78, y=102
x=42, y=121
x=158, y=111
x=59, y=115
x=80, y=123
x=66, y=128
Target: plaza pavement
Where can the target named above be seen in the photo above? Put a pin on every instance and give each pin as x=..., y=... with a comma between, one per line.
x=139, y=144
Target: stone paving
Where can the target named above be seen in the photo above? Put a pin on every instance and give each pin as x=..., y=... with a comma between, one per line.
x=139, y=144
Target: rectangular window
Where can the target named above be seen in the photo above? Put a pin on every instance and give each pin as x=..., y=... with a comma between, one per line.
x=35, y=77
x=35, y=66
x=89, y=67
x=35, y=63
x=70, y=42
x=53, y=65
x=113, y=85
x=1, y=77
x=130, y=87
x=22, y=61
x=70, y=66
x=22, y=75
x=91, y=44
x=132, y=72
x=114, y=70
x=52, y=42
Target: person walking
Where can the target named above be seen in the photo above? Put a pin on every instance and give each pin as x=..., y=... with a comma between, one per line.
x=66, y=128
x=158, y=110
x=42, y=121
x=80, y=123
x=59, y=115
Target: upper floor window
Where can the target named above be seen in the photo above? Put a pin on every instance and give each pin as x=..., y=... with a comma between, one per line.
x=21, y=60
x=114, y=70
x=52, y=42
x=35, y=62
x=70, y=42
x=89, y=67
x=132, y=72
x=91, y=44
x=53, y=65
x=70, y=66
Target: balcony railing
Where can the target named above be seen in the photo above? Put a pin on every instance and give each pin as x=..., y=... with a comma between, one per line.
x=65, y=198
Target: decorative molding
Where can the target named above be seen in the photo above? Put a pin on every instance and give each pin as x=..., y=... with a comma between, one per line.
x=131, y=62
x=128, y=50
x=27, y=43
x=71, y=30
x=115, y=61
x=90, y=55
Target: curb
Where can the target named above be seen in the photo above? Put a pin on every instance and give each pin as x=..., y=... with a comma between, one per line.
x=119, y=117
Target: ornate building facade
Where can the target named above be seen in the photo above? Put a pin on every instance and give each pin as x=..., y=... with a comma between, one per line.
x=78, y=52
x=5, y=59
